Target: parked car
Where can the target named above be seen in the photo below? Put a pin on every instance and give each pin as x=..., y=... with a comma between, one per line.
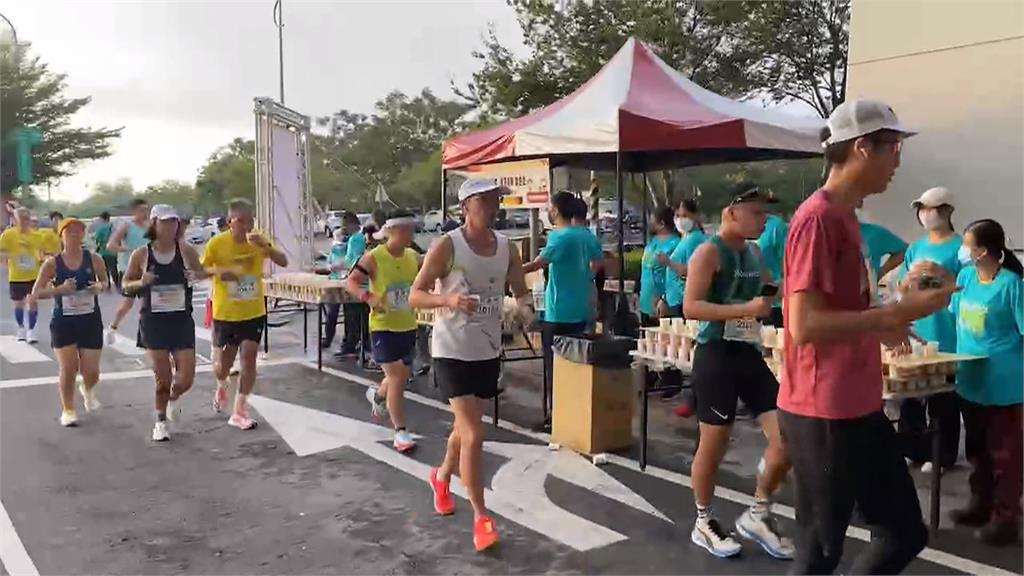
x=432, y=221
x=519, y=218
x=201, y=233
x=330, y=222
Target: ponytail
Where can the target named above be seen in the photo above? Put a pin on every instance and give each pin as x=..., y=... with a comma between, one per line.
x=1011, y=262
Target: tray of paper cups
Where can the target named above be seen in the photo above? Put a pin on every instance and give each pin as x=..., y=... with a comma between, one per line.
x=922, y=372
x=772, y=340
x=304, y=287
x=668, y=345
x=425, y=317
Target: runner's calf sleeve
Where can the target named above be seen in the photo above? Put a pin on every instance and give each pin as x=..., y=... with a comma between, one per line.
x=33, y=316
x=19, y=316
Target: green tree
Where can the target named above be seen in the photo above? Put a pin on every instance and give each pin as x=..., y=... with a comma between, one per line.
x=568, y=46
x=32, y=95
x=230, y=172
x=797, y=51
x=113, y=197
x=181, y=195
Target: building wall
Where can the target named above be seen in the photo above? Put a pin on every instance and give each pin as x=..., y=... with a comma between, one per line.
x=952, y=69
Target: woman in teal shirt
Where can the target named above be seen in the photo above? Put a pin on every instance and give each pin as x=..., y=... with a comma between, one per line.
x=989, y=311
x=687, y=223
x=652, y=272
x=940, y=244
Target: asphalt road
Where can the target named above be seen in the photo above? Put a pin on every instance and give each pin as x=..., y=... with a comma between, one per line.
x=317, y=488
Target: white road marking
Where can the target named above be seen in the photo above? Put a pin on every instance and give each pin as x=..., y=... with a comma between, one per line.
x=131, y=374
x=20, y=352
x=125, y=345
x=12, y=551
x=930, y=554
x=523, y=501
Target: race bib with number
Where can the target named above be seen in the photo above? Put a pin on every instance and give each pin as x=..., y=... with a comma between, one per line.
x=398, y=298
x=743, y=330
x=244, y=288
x=167, y=298
x=25, y=263
x=489, y=307
x=78, y=303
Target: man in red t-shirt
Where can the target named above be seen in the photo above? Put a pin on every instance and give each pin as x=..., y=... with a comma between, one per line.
x=842, y=446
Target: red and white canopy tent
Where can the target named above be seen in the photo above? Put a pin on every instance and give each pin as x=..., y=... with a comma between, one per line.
x=637, y=115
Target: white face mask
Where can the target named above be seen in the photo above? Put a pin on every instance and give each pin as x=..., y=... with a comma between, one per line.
x=931, y=219
x=684, y=225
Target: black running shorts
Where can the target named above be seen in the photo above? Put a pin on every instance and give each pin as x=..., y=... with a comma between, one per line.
x=724, y=371
x=85, y=332
x=226, y=333
x=171, y=333
x=459, y=378
x=20, y=290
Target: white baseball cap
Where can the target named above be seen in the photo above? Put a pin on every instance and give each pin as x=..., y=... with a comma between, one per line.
x=856, y=118
x=933, y=198
x=163, y=212
x=474, y=186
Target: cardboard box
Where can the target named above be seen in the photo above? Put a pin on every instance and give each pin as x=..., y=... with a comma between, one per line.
x=593, y=407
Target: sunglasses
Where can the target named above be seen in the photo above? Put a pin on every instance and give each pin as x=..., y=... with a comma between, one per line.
x=752, y=195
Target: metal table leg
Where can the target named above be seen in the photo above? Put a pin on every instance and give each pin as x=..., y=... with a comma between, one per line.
x=643, y=418
x=266, y=327
x=305, y=329
x=936, y=487
x=319, y=337
x=496, y=411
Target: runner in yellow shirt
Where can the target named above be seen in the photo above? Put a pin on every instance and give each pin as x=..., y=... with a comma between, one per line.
x=391, y=268
x=50, y=238
x=21, y=250
x=235, y=260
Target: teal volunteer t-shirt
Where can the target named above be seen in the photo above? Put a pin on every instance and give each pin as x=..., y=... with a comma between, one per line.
x=652, y=274
x=675, y=286
x=567, y=295
x=880, y=243
x=941, y=326
x=772, y=243
x=990, y=322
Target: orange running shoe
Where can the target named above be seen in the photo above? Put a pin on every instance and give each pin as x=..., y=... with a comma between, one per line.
x=485, y=534
x=444, y=504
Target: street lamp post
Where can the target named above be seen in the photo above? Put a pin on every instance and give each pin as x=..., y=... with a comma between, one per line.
x=279, y=22
x=14, y=32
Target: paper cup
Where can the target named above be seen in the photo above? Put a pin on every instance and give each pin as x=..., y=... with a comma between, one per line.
x=777, y=355
x=665, y=323
x=678, y=325
x=931, y=349
x=676, y=340
x=641, y=347
x=768, y=336
x=662, y=349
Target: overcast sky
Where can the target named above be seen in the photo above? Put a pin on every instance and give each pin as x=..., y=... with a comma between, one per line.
x=180, y=76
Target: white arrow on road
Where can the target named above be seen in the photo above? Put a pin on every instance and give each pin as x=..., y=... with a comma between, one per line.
x=518, y=493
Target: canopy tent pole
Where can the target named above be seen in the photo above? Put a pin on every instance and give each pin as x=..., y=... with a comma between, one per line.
x=444, y=197
x=621, y=322
x=643, y=222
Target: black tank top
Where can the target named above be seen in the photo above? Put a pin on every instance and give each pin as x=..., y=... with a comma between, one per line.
x=83, y=276
x=170, y=294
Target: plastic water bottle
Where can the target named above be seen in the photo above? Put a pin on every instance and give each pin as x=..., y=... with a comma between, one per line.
x=538, y=294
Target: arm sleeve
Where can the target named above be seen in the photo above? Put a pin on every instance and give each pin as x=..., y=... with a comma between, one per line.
x=809, y=255
x=554, y=249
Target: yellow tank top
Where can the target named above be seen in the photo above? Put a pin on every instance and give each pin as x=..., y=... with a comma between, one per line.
x=391, y=285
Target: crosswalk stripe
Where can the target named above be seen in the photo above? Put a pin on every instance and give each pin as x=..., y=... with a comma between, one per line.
x=17, y=352
x=126, y=346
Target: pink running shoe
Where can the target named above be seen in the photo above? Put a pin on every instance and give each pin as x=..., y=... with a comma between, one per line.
x=220, y=398
x=241, y=421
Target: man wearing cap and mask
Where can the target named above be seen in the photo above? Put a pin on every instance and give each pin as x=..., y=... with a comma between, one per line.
x=472, y=265
x=843, y=449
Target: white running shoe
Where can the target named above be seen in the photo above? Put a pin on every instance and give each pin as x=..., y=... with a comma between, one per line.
x=404, y=441
x=709, y=535
x=174, y=410
x=89, y=397
x=762, y=529
x=110, y=336
x=21, y=334
x=68, y=418
x=30, y=336
x=160, y=433
x=927, y=467
x=377, y=409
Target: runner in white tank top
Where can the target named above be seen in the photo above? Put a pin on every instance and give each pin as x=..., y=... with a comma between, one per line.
x=470, y=268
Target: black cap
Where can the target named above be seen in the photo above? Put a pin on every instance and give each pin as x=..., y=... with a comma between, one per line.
x=747, y=192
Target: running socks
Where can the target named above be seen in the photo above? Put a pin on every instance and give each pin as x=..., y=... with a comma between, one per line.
x=19, y=316
x=760, y=507
x=161, y=417
x=703, y=512
x=33, y=315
